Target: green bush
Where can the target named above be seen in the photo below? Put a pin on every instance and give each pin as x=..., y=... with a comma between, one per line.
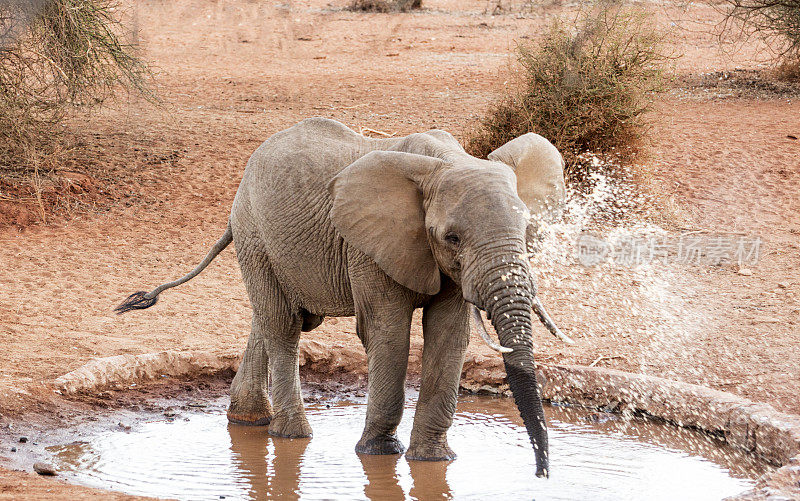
x=586, y=90
x=56, y=54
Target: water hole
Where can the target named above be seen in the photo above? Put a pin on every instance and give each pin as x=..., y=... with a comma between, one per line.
x=198, y=455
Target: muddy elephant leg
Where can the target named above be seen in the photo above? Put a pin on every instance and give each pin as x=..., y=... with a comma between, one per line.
x=384, y=322
x=283, y=345
x=271, y=349
x=250, y=388
x=445, y=324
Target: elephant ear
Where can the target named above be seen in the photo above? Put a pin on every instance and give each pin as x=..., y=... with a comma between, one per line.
x=446, y=138
x=377, y=208
x=540, y=172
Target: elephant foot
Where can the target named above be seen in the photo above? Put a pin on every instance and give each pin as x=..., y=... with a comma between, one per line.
x=249, y=402
x=249, y=419
x=430, y=452
x=295, y=426
x=380, y=445
x=249, y=411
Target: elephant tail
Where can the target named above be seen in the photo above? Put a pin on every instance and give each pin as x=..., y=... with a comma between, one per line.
x=141, y=300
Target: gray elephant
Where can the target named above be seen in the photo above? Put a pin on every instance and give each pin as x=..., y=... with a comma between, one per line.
x=327, y=222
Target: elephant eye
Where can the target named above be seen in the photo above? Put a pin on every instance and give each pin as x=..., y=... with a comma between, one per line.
x=451, y=238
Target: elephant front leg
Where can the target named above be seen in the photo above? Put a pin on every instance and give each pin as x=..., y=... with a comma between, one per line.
x=445, y=323
x=250, y=387
x=385, y=335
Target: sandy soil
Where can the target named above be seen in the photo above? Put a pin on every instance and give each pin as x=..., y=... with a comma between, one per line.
x=232, y=73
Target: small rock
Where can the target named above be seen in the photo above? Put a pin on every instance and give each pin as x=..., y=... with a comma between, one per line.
x=22, y=440
x=13, y=449
x=44, y=469
x=601, y=417
x=783, y=285
x=746, y=272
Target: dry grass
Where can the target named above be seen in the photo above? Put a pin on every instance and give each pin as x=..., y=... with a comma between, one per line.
x=586, y=90
x=55, y=55
x=384, y=5
x=788, y=70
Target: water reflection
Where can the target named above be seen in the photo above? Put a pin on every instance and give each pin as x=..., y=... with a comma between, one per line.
x=594, y=456
x=272, y=474
x=273, y=468
x=382, y=482
x=430, y=480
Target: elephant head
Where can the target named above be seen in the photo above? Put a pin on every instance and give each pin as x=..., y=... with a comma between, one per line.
x=425, y=211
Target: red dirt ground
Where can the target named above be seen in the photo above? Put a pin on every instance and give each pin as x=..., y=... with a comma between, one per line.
x=231, y=73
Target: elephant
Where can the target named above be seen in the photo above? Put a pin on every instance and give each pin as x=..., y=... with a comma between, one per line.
x=327, y=222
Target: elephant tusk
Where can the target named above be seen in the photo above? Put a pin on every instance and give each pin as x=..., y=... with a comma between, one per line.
x=476, y=317
x=538, y=308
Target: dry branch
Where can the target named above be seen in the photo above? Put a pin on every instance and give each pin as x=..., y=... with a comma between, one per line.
x=776, y=22
x=362, y=130
x=56, y=54
x=609, y=357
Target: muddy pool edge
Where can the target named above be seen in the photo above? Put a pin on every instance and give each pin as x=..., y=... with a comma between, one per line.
x=756, y=428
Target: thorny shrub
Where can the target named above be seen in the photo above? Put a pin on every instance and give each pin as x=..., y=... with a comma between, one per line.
x=384, y=5
x=586, y=89
x=54, y=55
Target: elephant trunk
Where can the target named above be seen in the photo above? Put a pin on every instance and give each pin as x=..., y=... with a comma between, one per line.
x=509, y=299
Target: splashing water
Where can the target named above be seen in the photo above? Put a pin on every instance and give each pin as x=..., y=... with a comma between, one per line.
x=611, y=302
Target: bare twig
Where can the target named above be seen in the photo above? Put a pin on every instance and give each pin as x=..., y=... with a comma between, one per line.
x=362, y=130
x=609, y=357
x=715, y=232
x=776, y=22
x=37, y=187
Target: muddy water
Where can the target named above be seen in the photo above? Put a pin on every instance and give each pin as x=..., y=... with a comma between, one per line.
x=197, y=455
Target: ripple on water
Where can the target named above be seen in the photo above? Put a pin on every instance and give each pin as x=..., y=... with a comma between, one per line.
x=202, y=457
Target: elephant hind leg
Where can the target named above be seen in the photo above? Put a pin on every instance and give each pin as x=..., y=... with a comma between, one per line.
x=283, y=345
x=250, y=388
x=271, y=353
